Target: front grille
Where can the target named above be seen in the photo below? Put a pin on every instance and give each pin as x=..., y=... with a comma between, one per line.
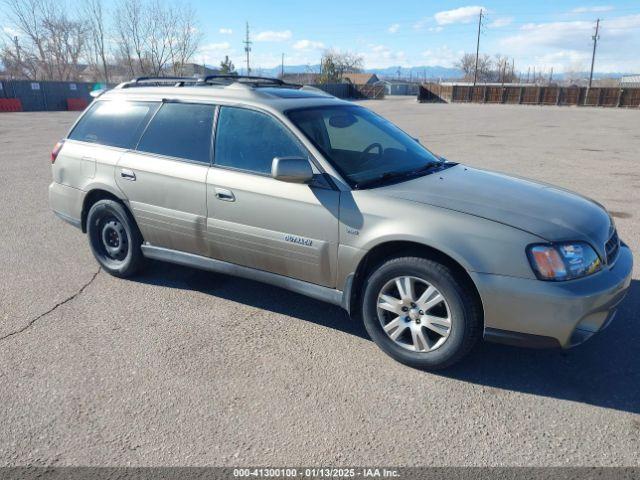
x=612, y=247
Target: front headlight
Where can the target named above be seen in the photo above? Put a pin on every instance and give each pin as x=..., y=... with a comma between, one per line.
x=564, y=261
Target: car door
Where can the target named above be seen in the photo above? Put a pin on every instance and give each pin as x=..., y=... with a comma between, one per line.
x=164, y=178
x=256, y=221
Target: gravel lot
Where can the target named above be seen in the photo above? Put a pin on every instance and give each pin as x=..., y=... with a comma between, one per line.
x=180, y=367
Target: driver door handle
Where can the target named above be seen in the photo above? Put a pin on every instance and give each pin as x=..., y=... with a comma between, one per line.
x=225, y=195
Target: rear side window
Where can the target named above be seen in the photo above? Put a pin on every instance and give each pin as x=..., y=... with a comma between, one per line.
x=180, y=130
x=249, y=140
x=114, y=123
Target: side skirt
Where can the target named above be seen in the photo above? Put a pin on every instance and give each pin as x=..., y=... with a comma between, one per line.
x=312, y=290
x=518, y=339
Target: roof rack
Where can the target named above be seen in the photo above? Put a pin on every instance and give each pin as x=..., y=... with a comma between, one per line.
x=177, y=81
x=249, y=79
x=221, y=79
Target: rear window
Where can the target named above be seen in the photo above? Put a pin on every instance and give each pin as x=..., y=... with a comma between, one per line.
x=180, y=130
x=114, y=123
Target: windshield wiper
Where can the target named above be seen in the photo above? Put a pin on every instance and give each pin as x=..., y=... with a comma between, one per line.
x=388, y=176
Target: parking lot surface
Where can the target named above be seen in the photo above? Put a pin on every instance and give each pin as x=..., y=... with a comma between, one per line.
x=181, y=367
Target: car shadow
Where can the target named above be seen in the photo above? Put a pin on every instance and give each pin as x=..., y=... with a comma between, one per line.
x=604, y=372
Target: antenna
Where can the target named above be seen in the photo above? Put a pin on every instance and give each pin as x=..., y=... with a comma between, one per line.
x=247, y=48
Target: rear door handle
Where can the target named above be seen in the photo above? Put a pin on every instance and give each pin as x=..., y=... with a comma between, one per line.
x=225, y=195
x=127, y=174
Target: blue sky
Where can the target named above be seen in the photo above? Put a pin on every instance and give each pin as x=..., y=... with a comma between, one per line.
x=544, y=33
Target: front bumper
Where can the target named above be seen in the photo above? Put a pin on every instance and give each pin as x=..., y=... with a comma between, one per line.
x=543, y=314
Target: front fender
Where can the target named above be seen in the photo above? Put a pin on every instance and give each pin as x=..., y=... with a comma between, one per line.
x=477, y=244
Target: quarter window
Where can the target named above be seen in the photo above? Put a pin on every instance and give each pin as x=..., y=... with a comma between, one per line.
x=114, y=123
x=181, y=130
x=249, y=140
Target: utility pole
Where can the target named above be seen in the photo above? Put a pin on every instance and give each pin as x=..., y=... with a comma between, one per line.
x=475, y=71
x=282, y=68
x=247, y=48
x=18, y=58
x=593, y=56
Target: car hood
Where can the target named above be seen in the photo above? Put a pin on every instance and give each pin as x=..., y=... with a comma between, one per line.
x=549, y=212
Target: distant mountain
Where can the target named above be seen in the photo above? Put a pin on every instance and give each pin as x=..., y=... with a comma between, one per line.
x=418, y=73
x=389, y=72
x=432, y=72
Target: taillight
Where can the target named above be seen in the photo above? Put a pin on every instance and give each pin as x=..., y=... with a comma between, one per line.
x=56, y=150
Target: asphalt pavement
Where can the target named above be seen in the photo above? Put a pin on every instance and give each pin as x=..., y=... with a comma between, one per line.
x=182, y=367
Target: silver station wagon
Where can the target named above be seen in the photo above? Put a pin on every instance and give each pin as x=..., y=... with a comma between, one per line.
x=287, y=185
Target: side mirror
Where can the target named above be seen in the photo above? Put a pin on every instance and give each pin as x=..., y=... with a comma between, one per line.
x=291, y=169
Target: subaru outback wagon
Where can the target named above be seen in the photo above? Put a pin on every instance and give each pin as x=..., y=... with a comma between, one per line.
x=290, y=186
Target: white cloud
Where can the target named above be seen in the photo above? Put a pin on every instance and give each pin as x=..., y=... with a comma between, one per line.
x=420, y=24
x=458, y=15
x=212, y=53
x=272, y=36
x=308, y=45
x=501, y=22
x=560, y=44
x=382, y=56
x=12, y=32
x=225, y=31
x=596, y=9
x=441, y=57
x=436, y=29
x=393, y=28
x=575, y=35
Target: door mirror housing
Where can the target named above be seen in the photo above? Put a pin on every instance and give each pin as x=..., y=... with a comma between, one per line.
x=292, y=169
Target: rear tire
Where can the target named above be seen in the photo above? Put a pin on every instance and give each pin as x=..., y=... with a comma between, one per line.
x=114, y=238
x=420, y=313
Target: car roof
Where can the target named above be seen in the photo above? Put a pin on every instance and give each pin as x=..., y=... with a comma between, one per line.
x=274, y=97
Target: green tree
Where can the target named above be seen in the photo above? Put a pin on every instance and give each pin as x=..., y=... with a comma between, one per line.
x=335, y=64
x=227, y=67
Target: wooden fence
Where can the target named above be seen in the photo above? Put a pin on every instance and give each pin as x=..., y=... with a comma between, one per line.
x=531, y=95
x=353, y=91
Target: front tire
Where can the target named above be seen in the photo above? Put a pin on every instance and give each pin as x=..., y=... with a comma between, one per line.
x=421, y=313
x=114, y=238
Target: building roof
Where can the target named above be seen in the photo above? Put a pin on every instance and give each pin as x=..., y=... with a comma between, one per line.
x=630, y=81
x=361, y=78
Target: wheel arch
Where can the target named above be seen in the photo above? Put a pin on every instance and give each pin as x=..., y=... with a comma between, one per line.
x=403, y=248
x=92, y=197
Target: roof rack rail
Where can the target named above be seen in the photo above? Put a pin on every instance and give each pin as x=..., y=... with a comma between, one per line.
x=178, y=81
x=251, y=80
x=221, y=79
x=240, y=78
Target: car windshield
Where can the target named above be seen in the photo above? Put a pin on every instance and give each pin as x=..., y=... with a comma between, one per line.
x=364, y=147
